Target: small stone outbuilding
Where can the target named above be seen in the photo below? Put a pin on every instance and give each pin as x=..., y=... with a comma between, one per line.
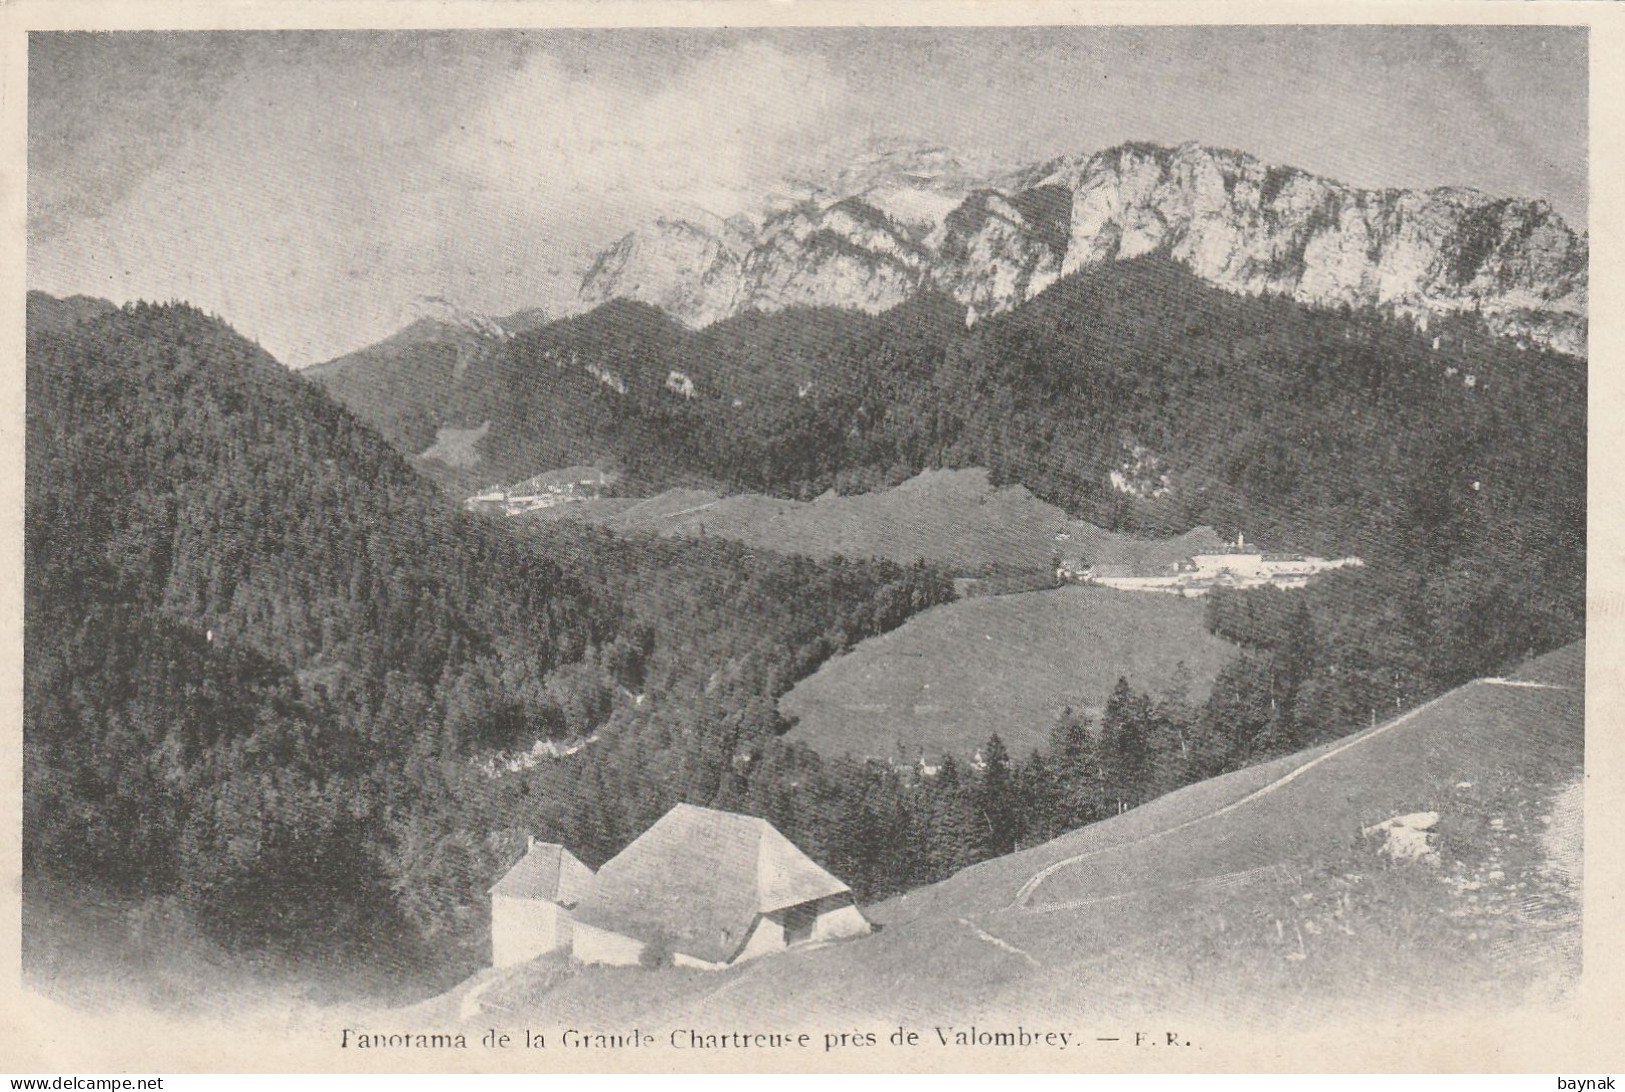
x=531, y=904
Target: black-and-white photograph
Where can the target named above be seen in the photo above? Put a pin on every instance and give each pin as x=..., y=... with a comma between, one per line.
x=752, y=546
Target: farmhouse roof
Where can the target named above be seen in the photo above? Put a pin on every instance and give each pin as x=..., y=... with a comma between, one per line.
x=699, y=878
x=542, y=873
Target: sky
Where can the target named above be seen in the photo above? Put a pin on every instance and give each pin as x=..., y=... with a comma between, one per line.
x=313, y=187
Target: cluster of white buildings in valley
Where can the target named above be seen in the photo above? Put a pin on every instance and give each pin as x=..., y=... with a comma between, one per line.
x=1236, y=566
x=543, y=491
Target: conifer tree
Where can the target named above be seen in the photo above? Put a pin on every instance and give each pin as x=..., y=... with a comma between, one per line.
x=997, y=796
x=958, y=833
x=1075, y=764
x=1125, y=731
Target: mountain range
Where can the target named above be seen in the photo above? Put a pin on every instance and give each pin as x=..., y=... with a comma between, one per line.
x=880, y=229
x=1310, y=427
x=908, y=252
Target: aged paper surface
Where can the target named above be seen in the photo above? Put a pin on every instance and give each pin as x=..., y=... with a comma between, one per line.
x=1116, y=967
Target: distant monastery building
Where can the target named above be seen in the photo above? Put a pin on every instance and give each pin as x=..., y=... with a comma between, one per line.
x=1236, y=566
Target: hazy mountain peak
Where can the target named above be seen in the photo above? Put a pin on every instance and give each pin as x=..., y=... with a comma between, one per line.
x=444, y=312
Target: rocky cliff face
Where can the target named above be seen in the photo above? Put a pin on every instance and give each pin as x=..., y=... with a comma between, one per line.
x=1251, y=227
x=881, y=229
x=690, y=267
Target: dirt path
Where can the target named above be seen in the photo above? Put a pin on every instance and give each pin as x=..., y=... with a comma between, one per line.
x=997, y=942
x=628, y=514
x=1025, y=895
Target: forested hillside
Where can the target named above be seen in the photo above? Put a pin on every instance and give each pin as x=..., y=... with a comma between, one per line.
x=582, y=386
x=1451, y=461
x=268, y=669
x=1446, y=456
x=1331, y=430
x=405, y=384
x=242, y=608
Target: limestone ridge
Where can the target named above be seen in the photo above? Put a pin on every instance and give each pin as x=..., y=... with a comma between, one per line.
x=889, y=225
x=691, y=266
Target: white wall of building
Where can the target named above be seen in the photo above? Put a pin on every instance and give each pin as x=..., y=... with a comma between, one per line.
x=840, y=921
x=765, y=939
x=523, y=929
x=1240, y=564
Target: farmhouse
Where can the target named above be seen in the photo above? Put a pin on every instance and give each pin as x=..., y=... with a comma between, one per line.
x=530, y=905
x=712, y=889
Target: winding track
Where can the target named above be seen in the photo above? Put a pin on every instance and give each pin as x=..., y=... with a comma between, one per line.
x=1024, y=895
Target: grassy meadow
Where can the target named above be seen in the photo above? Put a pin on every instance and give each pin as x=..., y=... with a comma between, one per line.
x=947, y=679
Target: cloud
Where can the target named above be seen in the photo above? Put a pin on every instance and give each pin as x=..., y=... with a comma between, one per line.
x=314, y=200
x=715, y=134
x=278, y=215
x=309, y=187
